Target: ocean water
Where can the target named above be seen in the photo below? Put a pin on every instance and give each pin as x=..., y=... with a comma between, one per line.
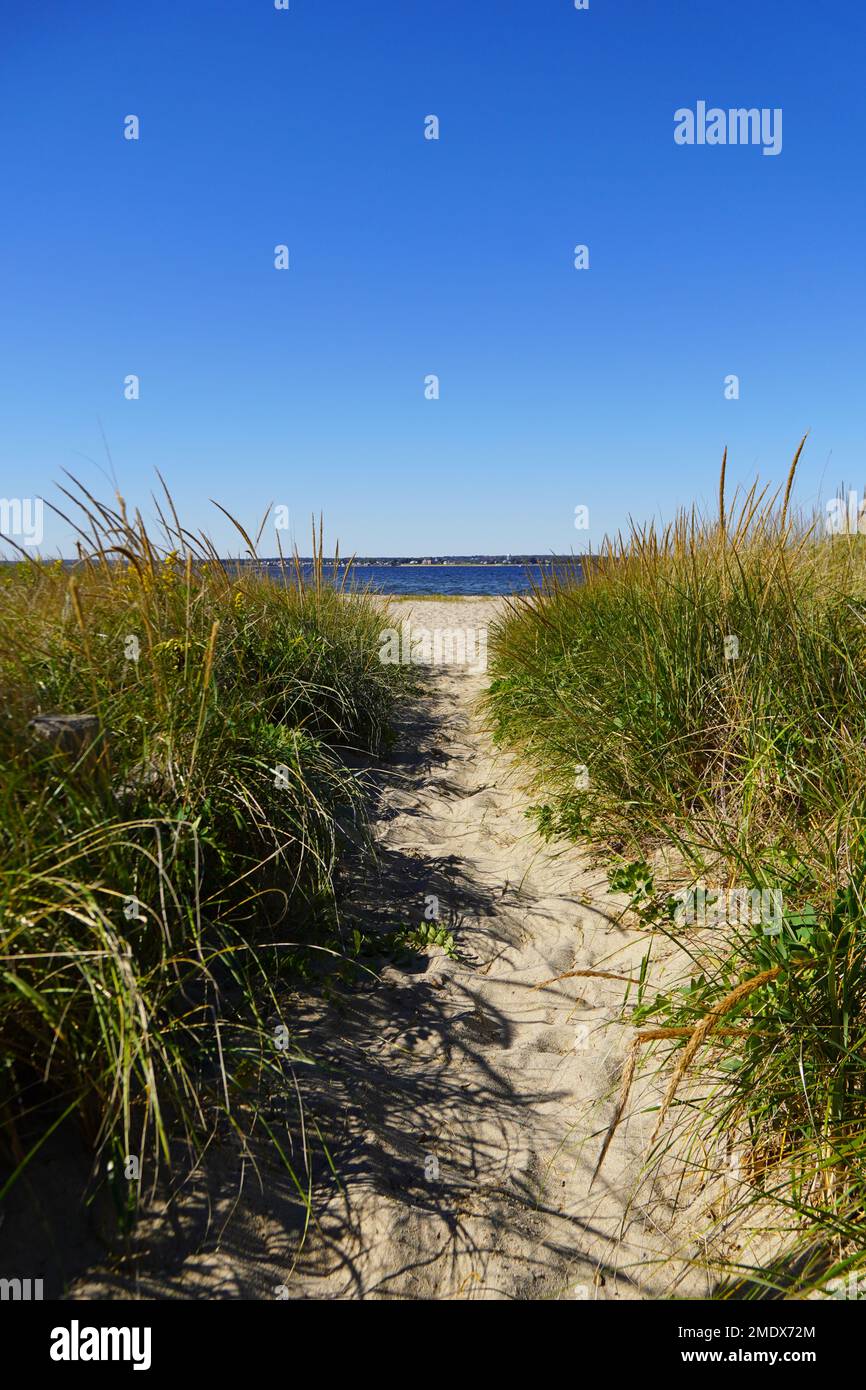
x=444, y=579
x=465, y=580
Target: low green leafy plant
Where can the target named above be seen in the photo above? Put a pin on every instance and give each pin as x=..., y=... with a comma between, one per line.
x=402, y=944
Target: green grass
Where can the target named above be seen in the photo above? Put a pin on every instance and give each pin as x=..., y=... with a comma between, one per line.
x=158, y=889
x=750, y=773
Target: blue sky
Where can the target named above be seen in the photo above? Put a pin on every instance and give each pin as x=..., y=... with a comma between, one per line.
x=410, y=257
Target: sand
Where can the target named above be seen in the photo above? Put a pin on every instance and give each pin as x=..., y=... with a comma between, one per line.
x=487, y=1097
x=463, y=1107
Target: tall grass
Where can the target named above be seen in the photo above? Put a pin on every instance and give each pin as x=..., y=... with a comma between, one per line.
x=157, y=885
x=746, y=771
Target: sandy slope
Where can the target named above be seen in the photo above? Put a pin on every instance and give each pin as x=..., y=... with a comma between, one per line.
x=464, y=1107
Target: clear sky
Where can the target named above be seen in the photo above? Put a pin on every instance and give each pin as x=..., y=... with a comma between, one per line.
x=559, y=387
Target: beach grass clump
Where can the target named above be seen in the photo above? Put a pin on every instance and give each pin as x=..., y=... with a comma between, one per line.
x=168, y=858
x=697, y=698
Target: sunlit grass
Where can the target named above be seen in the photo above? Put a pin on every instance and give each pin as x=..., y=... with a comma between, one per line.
x=158, y=887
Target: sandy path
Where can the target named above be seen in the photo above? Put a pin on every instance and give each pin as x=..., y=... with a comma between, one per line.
x=477, y=1102
x=463, y=1108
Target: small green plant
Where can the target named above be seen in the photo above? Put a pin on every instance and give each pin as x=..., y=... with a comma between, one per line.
x=402, y=944
x=636, y=879
x=431, y=934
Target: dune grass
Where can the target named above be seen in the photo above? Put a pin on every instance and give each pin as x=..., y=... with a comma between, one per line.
x=695, y=760
x=158, y=885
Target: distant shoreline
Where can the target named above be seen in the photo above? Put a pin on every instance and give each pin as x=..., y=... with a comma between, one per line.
x=444, y=564
x=525, y=562
x=451, y=564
